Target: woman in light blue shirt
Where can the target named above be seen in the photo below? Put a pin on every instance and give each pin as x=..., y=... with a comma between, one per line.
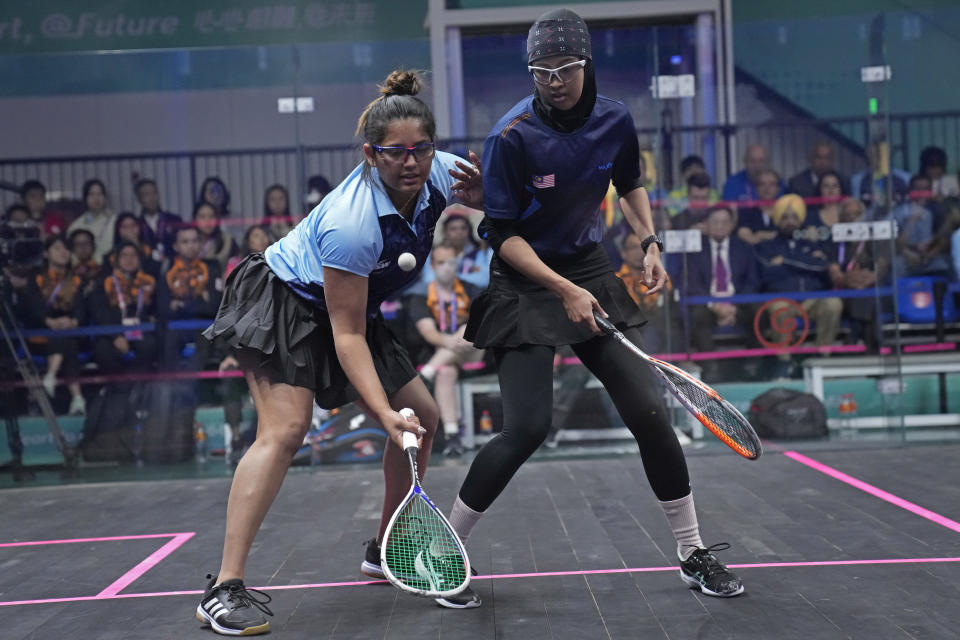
x=304, y=320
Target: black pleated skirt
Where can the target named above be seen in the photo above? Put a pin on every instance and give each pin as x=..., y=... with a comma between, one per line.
x=294, y=339
x=515, y=311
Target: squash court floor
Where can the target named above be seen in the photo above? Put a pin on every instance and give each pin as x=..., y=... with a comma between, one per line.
x=841, y=542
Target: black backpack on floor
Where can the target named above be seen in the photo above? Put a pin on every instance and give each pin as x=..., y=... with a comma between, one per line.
x=783, y=414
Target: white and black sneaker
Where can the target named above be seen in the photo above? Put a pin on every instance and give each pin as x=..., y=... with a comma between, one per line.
x=231, y=609
x=703, y=571
x=370, y=566
x=466, y=599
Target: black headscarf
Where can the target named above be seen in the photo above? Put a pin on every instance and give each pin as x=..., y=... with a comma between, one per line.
x=559, y=32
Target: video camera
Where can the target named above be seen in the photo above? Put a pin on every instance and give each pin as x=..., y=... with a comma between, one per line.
x=21, y=248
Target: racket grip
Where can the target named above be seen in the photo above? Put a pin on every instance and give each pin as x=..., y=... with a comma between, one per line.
x=604, y=324
x=408, y=439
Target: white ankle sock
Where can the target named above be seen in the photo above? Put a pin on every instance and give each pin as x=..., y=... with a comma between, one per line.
x=463, y=519
x=451, y=428
x=427, y=372
x=682, y=517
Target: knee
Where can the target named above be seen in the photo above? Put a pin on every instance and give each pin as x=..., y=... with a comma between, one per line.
x=447, y=374
x=285, y=435
x=834, y=306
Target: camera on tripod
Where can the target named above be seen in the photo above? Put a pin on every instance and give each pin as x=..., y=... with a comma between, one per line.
x=21, y=248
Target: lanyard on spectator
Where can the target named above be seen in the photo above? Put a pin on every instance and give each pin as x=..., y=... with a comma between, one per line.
x=453, y=314
x=53, y=296
x=123, y=302
x=853, y=258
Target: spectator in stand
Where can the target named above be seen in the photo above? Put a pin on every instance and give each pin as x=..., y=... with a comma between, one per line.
x=124, y=297
x=756, y=223
x=790, y=264
x=129, y=229
x=857, y=265
x=159, y=226
x=726, y=266
x=255, y=240
x=215, y=243
x=822, y=217
x=870, y=185
x=34, y=196
x=917, y=253
x=85, y=265
x=677, y=200
x=743, y=184
x=694, y=216
x=214, y=192
x=933, y=165
x=317, y=189
x=189, y=290
x=473, y=257
x=441, y=318
x=97, y=219
x=53, y=300
x=654, y=306
x=276, y=212
x=805, y=184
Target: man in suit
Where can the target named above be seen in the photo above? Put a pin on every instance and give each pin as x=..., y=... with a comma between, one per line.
x=804, y=184
x=724, y=267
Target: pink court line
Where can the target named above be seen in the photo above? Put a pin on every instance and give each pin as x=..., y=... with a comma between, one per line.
x=504, y=576
x=145, y=565
x=31, y=543
x=874, y=491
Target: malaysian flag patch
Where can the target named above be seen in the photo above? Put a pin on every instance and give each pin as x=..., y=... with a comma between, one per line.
x=543, y=182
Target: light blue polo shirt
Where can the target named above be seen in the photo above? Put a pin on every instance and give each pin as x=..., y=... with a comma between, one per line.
x=356, y=228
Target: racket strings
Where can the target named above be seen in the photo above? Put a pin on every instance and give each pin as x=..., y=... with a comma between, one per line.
x=728, y=422
x=422, y=552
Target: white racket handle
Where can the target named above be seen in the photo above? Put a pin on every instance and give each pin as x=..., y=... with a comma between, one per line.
x=408, y=439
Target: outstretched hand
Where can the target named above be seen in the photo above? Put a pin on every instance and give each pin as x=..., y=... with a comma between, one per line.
x=469, y=186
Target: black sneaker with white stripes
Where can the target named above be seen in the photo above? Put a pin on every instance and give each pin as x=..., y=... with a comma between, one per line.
x=703, y=571
x=370, y=566
x=466, y=599
x=233, y=610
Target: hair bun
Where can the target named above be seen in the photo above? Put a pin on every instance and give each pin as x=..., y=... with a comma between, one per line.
x=401, y=83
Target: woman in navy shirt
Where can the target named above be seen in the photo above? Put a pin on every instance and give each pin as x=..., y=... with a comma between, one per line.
x=304, y=318
x=547, y=165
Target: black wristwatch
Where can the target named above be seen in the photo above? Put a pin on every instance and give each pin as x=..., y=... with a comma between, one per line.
x=649, y=240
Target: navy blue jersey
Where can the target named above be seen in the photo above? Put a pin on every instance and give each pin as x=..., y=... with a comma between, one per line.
x=356, y=228
x=552, y=184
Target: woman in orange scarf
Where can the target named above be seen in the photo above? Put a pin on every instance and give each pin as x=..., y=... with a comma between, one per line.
x=53, y=300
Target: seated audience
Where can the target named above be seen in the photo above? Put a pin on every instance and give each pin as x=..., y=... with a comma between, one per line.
x=158, y=225
x=129, y=229
x=694, y=215
x=255, y=240
x=725, y=266
x=215, y=243
x=473, y=257
x=124, y=297
x=790, y=264
x=83, y=258
x=97, y=218
x=805, y=184
x=53, y=300
x=756, y=222
x=189, y=290
x=917, y=253
x=34, y=196
x=933, y=165
x=317, y=189
x=870, y=185
x=743, y=184
x=441, y=318
x=678, y=199
x=822, y=217
x=277, y=218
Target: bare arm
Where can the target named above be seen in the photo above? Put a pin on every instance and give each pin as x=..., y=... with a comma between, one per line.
x=346, y=296
x=636, y=208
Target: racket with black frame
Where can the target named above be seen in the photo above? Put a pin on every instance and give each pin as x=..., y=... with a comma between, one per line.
x=716, y=414
x=420, y=552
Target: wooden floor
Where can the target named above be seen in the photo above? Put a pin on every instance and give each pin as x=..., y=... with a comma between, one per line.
x=857, y=565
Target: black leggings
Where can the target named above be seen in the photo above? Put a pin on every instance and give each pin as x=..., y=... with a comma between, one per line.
x=526, y=388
